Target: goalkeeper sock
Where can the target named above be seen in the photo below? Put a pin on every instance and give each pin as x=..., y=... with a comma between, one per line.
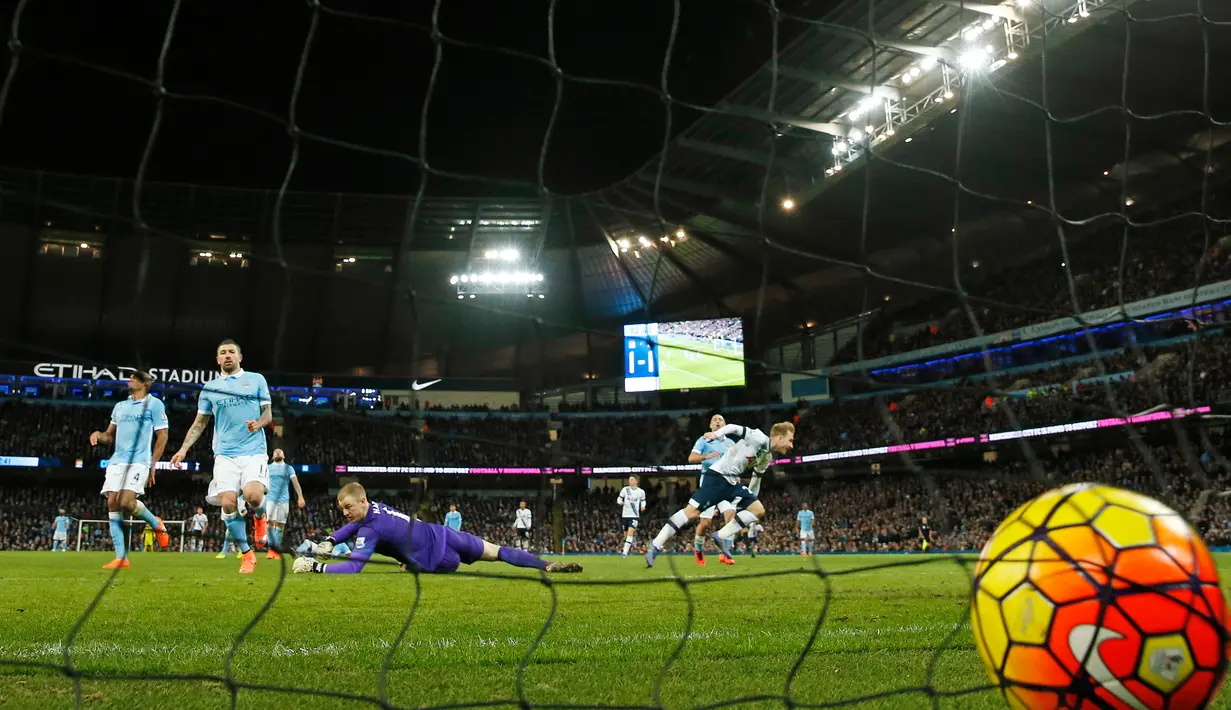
x=520, y=558
x=237, y=530
x=275, y=537
x=742, y=519
x=117, y=533
x=698, y=543
x=628, y=544
x=144, y=513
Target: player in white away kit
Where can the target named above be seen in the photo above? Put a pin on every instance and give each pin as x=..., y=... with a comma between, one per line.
x=241, y=408
x=139, y=431
x=706, y=452
x=753, y=533
x=281, y=478
x=197, y=525
x=632, y=505
x=754, y=451
x=522, y=522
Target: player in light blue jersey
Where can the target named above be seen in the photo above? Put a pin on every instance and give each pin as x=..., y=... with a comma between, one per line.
x=307, y=548
x=803, y=526
x=706, y=452
x=278, y=502
x=59, y=536
x=138, y=430
x=228, y=542
x=240, y=405
x=453, y=519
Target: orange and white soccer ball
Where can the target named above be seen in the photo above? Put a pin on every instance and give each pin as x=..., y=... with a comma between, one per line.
x=1095, y=597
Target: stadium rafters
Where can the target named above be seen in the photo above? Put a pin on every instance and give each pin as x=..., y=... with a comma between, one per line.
x=852, y=82
x=691, y=239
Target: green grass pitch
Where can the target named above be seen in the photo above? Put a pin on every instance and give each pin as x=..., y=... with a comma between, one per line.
x=179, y=613
x=688, y=364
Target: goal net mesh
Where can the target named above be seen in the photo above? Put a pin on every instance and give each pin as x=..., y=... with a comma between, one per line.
x=1024, y=100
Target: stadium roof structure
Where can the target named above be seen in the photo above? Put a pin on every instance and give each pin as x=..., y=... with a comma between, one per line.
x=908, y=82
x=863, y=135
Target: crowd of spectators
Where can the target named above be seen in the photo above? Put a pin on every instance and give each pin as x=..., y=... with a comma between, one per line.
x=730, y=329
x=1155, y=265
x=1161, y=377
x=1185, y=374
x=883, y=513
x=859, y=513
x=39, y=428
x=625, y=440
x=27, y=511
x=28, y=508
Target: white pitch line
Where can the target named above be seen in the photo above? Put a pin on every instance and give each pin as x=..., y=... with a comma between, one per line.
x=102, y=649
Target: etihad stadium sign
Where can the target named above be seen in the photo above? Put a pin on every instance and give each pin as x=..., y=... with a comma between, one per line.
x=121, y=372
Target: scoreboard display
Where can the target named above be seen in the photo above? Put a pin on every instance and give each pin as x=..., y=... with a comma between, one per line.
x=683, y=355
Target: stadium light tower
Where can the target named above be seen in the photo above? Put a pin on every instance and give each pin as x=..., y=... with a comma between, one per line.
x=504, y=242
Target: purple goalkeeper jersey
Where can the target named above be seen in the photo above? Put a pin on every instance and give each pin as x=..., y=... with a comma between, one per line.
x=392, y=533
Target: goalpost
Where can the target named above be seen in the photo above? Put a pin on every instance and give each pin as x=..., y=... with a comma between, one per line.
x=132, y=524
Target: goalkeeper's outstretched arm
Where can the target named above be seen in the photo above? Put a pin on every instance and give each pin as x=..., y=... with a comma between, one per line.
x=353, y=564
x=324, y=551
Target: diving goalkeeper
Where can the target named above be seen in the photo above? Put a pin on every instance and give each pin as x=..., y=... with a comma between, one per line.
x=421, y=547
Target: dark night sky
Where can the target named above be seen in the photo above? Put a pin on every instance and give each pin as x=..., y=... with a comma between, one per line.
x=365, y=82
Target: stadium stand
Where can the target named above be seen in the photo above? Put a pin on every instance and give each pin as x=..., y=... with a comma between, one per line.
x=856, y=514
x=1160, y=263
x=1056, y=395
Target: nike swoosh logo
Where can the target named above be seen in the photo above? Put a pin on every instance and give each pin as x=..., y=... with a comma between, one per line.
x=1081, y=640
x=416, y=385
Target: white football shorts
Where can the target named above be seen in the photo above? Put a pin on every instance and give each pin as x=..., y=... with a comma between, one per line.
x=232, y=473
x=722, y=507
x=807, y=535
x=277, y=512
x=126, y=477
x=59, y=537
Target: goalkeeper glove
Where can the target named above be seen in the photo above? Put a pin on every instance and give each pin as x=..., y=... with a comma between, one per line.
x=307, y=564
x=324, y=551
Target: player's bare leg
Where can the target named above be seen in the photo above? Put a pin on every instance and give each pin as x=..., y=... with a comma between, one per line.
x=521, y=558
x=681, y=519
x=235, y=524
x=254, y=496
x=132, y=505
x=725, y=545
x=629, y=535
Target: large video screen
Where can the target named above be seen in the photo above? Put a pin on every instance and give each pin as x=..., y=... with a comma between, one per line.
x=689, y=354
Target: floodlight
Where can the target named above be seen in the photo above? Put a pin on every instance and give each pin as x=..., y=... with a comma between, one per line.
x=973, y=58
